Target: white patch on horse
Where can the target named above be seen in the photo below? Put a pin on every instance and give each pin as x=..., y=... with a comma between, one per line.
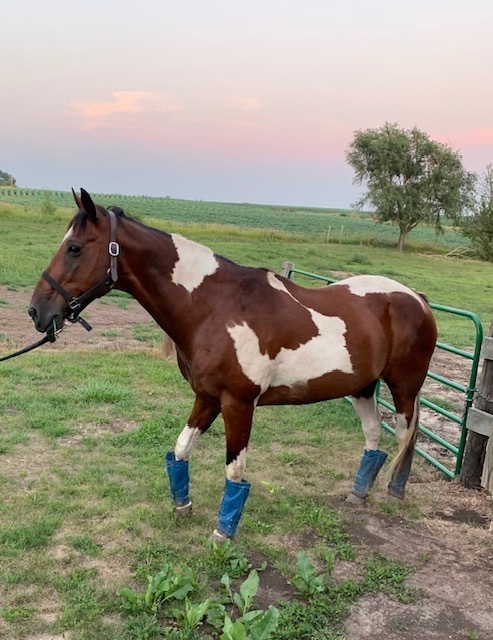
x=371, y=420
x=277, y=284
x=185, y=442
x=195, y=262
x=236, y=468
x=322, y=354
x=67, y=235
x=362, y=285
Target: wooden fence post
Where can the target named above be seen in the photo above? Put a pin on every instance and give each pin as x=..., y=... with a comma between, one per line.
x=286, y=268
x=480, y=425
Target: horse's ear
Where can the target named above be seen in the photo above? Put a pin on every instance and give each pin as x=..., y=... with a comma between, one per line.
x=77, y=199
x=88, y=205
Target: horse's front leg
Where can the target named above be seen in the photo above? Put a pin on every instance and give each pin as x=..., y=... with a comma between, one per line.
x=204, y=412
x=237, y=417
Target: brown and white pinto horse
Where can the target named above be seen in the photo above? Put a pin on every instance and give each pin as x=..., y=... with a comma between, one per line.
x=246, y=336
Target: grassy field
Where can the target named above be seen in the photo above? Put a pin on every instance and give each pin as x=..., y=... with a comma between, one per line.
x=85, y=513
x=89, y=549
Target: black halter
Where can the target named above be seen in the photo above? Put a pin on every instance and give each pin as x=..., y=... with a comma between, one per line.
x=78, y=303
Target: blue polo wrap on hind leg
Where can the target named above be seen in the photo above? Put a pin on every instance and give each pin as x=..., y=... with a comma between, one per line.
x=234, y=498
x=370, y=465
x=179, y=480
x=397, y=484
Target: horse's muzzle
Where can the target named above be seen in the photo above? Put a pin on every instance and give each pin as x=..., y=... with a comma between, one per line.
x=46, y=323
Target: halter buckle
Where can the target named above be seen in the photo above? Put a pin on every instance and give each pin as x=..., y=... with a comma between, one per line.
x=114, y=249
x=74, y=304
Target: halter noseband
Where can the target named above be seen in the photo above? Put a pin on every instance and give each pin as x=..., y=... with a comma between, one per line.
x=78, y=303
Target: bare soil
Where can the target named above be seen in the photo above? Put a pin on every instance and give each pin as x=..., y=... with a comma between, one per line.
x=111, y=318
x=450, y=543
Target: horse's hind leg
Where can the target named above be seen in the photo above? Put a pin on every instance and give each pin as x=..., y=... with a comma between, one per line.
x=204, y=412
x=365, y=405
x=406, y=433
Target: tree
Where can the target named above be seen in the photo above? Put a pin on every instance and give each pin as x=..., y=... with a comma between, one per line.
x=6, y=180
x=47, y=207
x=478, y=226
x=410, y=179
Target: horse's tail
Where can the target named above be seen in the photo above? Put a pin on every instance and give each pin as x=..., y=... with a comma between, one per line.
x=406, y=448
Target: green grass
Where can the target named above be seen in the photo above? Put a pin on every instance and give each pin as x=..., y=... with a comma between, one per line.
x=93, y=515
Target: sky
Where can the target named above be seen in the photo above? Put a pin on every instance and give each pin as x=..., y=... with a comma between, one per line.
x=230, y=101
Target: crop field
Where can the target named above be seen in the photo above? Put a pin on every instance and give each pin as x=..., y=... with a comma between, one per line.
x=89, y=548
x=344, y=225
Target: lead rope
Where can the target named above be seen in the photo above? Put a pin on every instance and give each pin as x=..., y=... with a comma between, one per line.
x=48, y=338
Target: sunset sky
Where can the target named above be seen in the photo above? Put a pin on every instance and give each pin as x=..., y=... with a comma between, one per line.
x=235, y=101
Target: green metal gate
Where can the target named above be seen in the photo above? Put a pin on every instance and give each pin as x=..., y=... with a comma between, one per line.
x=460, y=420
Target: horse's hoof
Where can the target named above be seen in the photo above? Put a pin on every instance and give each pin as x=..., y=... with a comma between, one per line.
x=355, y=500
x=395, y=497
x=183, y=511
x=217, y=536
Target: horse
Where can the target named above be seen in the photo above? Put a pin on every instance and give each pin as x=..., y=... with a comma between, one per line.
x=247, y=337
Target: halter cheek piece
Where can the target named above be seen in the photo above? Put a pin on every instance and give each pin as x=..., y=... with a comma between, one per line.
x=78, y=303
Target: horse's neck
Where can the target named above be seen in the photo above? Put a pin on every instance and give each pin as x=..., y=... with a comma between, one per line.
x=161, y=271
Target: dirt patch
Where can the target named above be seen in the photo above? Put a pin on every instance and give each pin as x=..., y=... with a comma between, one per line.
x=453, y=571
x=273, y=587
x=112, y=319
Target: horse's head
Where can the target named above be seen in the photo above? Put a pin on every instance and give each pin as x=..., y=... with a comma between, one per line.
x=79, y=271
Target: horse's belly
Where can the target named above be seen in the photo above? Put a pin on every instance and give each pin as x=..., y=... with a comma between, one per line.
x=328, y=387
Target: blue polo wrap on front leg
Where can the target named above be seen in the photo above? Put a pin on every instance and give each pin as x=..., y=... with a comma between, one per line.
x=234, y=498
x=179, y=480
x=371, y=463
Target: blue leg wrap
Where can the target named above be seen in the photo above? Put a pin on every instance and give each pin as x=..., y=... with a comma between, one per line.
x=178, y=478
x=397, y=484
x=370, y=465
x=234, y=498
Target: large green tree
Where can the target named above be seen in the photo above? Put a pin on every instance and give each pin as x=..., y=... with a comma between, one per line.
x=409, y=177
x=6, y=180
x=478, y=226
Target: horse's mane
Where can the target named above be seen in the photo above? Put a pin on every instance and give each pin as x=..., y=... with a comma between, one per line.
x=80, y=219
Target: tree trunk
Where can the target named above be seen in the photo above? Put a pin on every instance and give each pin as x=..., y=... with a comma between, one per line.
x=474, y=453
x=402, y=239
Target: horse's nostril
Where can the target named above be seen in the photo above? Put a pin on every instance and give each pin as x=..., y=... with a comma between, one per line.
x=32, y=312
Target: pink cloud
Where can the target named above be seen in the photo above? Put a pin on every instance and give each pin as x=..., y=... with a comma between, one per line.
x=235, y=125
x=93, y=115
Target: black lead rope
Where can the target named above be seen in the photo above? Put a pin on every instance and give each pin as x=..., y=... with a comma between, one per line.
x=35, y=345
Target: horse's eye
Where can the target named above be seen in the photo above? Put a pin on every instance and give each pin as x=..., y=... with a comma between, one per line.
x=73, y=249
